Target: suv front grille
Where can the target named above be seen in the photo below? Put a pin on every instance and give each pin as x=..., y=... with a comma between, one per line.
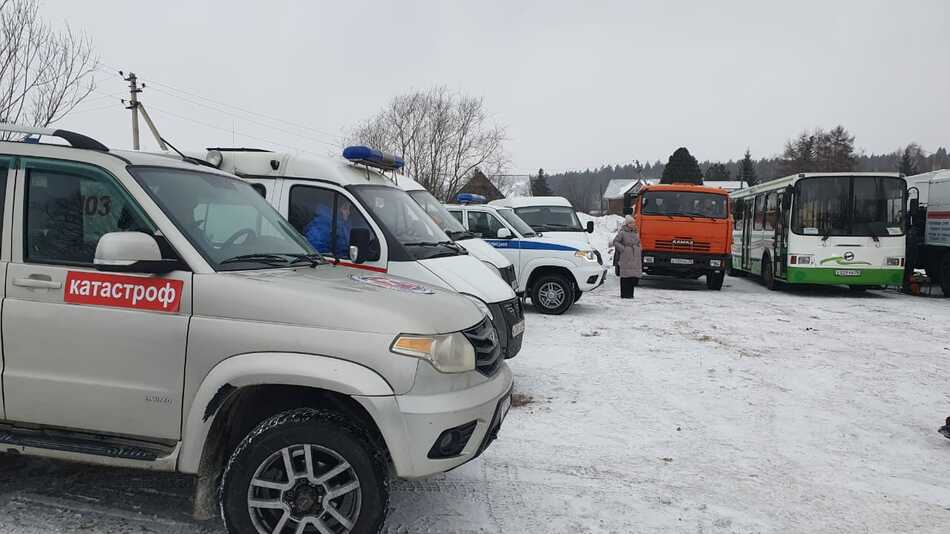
x=505, y=315
x=488, y=356
x=508, y=275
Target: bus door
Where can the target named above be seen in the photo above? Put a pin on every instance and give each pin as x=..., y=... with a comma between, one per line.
x=781, y=234
x=747, y=234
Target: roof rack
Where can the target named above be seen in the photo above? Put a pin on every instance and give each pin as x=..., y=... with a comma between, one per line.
x=76, y=140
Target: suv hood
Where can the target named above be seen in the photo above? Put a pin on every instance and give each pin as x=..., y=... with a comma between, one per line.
x=481, y=250
x=577, y=239
x=335, y=298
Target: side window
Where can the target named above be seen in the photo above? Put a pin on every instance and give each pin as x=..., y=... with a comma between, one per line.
x=68, y=211
x=326, y=219
x=478, y=224
x=494, y=225
x=458, y=216
x=759, y=216
x=260, y=189
x=771, y=211
x=737, y=208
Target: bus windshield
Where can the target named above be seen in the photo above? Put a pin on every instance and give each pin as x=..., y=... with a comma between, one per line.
x=684, y=204
x=849, y=206
x=550, y=218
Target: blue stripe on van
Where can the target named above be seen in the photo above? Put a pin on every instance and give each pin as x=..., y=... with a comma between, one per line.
x=527, y=245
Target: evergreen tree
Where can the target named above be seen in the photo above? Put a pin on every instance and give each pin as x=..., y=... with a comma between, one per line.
x=747, y=172
x=539, y=185
x=717, y=172
x=910, y=160
x=682, y=167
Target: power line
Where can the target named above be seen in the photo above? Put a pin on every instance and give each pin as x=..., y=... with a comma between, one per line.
x=228, y=130
x=90, y=110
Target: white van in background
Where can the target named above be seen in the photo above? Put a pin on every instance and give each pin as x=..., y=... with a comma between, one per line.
x=552, y=216
x=348, y=209
x=552, y=272
x=474, y=245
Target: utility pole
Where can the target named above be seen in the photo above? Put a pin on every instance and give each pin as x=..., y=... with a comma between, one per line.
x=136, y=106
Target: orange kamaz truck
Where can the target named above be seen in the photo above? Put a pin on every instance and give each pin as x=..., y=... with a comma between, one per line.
x=685, y=230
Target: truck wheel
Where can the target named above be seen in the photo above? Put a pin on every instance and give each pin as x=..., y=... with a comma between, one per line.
x=715, y=280
x=945, y=274
x=304, y=470
x=768, y=275
x=553, y=294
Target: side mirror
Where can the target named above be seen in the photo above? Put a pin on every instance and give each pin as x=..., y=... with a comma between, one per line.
x=914, y=205
x=131, y=252
x=590, y=227
x=503, y=233
x=359, y=243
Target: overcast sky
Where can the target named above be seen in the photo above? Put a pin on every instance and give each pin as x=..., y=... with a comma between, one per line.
x=576, y=84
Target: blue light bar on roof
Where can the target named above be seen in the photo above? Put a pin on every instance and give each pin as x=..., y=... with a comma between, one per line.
x=470, y=198
x=373, y=158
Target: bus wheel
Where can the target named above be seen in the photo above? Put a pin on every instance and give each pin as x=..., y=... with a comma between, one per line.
x=945, y=274
x=768, y=275
x=714, y=280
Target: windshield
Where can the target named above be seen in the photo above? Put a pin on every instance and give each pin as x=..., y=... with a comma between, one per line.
x=441, y=216
x=229, y=223
x=550, y=218
x=684, y=203
x=517, y=222
x=406, y=221
x=849, y=206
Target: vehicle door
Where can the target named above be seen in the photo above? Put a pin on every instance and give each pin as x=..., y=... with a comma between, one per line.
x=84, y=349
x=7, y=176
x=485, y=224
x=747, y=223
x=326, y=215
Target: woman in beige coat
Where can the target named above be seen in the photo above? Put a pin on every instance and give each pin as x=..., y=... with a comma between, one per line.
x=627, y=250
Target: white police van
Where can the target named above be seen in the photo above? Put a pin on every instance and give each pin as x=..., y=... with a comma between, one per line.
x=553, y=272
x=348, y=209
x=553, y=216
x=475, y=246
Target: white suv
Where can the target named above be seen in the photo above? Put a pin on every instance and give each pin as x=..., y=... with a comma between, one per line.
x=553, y=272
x=159, y=314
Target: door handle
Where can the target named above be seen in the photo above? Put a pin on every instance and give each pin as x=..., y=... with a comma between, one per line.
x=37, y=281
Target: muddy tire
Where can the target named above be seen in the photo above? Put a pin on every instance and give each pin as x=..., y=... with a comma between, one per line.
x=714, y=280
x=768, y=273
x=552, y=294
x=305, y=466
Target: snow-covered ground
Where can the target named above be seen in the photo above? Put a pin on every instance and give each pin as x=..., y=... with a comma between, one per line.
x=684, y=410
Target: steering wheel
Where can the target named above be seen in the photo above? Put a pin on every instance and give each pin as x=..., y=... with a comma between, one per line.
x=231, y=241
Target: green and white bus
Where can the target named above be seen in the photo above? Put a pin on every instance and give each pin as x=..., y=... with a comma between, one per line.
x=822, y=228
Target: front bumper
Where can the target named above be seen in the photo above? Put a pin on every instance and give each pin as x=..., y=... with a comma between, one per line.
x=412, y=423
x=683, y=263
x=589, y=277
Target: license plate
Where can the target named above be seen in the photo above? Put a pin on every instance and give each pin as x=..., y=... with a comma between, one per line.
x=517, y=329
x=847, y=272
x=681, y=261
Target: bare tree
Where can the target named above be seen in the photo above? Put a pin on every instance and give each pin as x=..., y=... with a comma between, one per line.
x=443, y=136
x=44, y=72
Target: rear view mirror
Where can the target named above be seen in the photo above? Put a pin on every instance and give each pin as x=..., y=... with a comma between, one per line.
x=914, y=205
x=503, y=233
x=360, y=244
x=131, y=252
x=590, y=227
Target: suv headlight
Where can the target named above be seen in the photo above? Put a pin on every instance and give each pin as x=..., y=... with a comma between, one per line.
x=448, y=353
x=586, y=254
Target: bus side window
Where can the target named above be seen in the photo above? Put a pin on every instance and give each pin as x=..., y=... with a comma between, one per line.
x=759, y=214
x=736, y=207
x=771, y=211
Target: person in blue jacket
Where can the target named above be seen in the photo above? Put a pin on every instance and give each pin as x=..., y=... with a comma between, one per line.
x=319, y=231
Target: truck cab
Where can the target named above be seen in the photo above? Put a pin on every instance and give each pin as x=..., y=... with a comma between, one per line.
x=685, y=231
x=552, y=272
x=349, y=209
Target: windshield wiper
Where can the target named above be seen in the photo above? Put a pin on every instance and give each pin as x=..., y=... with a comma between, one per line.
x=447, y=244
x=570, y=227
x=692, y=214
x=277, y=260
